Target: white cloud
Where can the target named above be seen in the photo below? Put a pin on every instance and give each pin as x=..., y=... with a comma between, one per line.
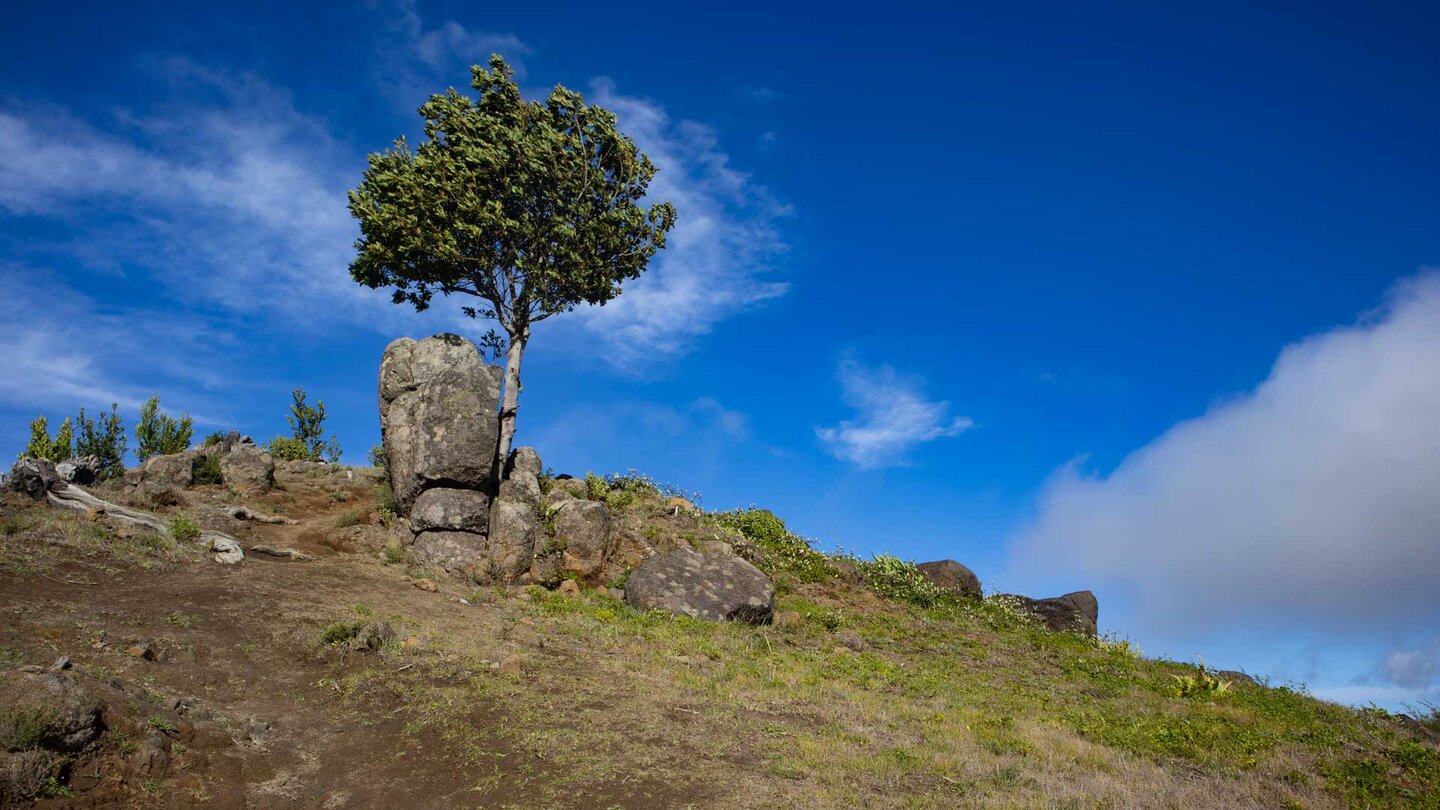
x=427, y=60
x=1414, y=668
x=1312, y=498
x=719, y=256
x=893, y=417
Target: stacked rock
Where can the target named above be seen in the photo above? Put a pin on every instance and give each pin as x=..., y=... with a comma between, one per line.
x=438, y=406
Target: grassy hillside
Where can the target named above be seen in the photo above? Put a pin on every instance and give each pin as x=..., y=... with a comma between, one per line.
x=871, y=690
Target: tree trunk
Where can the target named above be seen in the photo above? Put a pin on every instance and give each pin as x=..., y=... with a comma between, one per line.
x=510, y=401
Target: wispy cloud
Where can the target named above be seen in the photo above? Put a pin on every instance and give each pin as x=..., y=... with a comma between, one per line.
x=423, y=60
x=721, y=255
x=1312, y=497
x=893, y=416
x=1414, y=667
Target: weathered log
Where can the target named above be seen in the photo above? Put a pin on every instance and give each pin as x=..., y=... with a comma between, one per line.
x=291, y=553
x=244, y=513
x=37, y=478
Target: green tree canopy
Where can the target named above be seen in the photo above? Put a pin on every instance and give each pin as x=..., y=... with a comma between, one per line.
x=530, y=207
x=158, y=433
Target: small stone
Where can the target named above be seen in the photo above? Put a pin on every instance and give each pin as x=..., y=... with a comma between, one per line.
x=839, y=650
x=618, y=594
x=788, y=618
x=511, y=665
x=850, y=640
x=427, y=585
x=61, y=663
x=569, y=586
x=142, y=651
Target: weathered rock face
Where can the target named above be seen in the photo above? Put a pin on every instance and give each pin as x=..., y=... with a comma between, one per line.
x=465, y=510
x=514, y=529
x=175, y=470
x=456, y=552
x=582, y=530
x=438, y=406
x=1077, y=612
x=522, y=475
x=951, y=576
x=719, y=587
x=247, y=467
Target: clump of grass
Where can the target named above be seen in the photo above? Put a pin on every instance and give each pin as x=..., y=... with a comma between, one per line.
x=159, y=723
x=183, y=529
x=180, y=619
x=27, y=728
x=340, y=496
x=14, y=524
x=1202, y=683
x=156, y=542
x=350, y=518
x=393, y=553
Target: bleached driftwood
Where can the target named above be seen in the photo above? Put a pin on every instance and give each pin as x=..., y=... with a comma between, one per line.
x=291, y=553
x=34, y=477
x=244, y=513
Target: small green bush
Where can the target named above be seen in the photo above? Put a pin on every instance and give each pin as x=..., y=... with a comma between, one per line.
x=103, y=438
x=183, y=529
x=42, y=446
x=336, y=633
x=213, y=439
x=894, y=578
x=27, y=728
x=206, y=469
x=595, y=487
x=286, y=448
x=350, y=518
x=379, y=460
x=781, y=551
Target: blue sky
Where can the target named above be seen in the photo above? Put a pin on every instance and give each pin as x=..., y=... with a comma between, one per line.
x=1126, y=298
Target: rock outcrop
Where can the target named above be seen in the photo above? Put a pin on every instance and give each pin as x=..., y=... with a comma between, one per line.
x=720, y=587
x=1076, y=612
x=438, y=416
x=246, y=466
x=439, y=402
x=952, y=576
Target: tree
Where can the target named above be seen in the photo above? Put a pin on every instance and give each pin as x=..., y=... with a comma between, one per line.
x=530, y=207
x=307, y=429
x=42, y=446
x=103, y=438
x=159, y=434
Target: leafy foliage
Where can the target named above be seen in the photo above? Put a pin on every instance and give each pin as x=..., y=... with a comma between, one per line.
x=286, y=448
x=183, y=529
x=159, y=434
x=307, y=429
x=104, y=438
x=1202, y=683
x=379, y=459
x=894, y=578
x=206, y=469
x=781, y=551
x=41, y=445
x=530, y=207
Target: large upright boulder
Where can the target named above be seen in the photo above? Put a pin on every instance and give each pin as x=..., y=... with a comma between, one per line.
x=438, y=406
x=951, y=576
x=514, y=532
x=720, y=587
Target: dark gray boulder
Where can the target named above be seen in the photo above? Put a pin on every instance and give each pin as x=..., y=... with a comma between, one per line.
x=716, y=587
x=951, y=576
x=1076, y=612
x=465, y=510
x=438, y=405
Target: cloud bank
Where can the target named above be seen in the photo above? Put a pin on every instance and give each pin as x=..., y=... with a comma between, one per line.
x=893, y=417
x=1314, y=497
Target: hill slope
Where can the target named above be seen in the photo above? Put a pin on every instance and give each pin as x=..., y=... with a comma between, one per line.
x=275, y=683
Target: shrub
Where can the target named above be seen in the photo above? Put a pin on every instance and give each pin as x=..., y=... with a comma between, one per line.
x=42, y=446
x=159, y=434
x=340, y=632
x=1201, y=683
x=307, y=427
x=350, y=518
x=206, y=469
x=379, y=460
x=894, y=578
x=183, y=529
x=781, y=551
x=103, y=438
x=595, y=487
x=213, y=439
x=285, y=448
